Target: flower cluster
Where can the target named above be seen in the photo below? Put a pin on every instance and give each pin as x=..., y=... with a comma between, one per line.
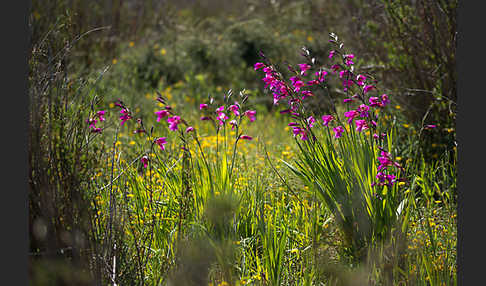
x=125, y=112
x=223, y=114
x=298, y=88
x=98, y=117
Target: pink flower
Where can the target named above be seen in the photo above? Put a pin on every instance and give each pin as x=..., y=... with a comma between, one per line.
x=100, y=114
x=125, y=115
x=335, y=68
x=321, y=75
x=326, y=119
x=361, y=79
x=173, y=122
x=161, y=141
x=361, y=125
x=92, y=122
x=374, y=101
x=367, y=88
x=351, y=115
x=346, y=100
x=189, y=129
x=304, y=68
x=222, y=118
x=205, y=118
x=257, y=66
x=235, y=108
x=338, y=131
x=331, y=53
x=385, y=160
x=202, y=106
x=306, y=94
x=384, y=100
x=292, y=124
x=220, y=109
x=348, y=59
x=363, y=110
x=144, y=161
x=246, y=137
x=161, y=114
x=430, y=126
x=311, y=120
x=250, y=114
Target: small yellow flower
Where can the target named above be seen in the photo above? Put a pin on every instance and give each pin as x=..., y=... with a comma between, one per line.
x=131, y=44
x=114, y=61
x=163, y=51
x=398, y=158
x=132, y=142
x=111, y=105
x=398, y=106
x=310, y=39
x=406, y=125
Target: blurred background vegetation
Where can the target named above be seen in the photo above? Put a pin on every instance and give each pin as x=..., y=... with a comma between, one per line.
x=86, y=53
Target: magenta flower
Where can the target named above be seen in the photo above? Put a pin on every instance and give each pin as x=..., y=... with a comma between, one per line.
x=292, y=124
x=326, y=119
x=335, y=68
x=205, y=118
x=246, y=137
x=360, y=79
x=161, y=114
x=351, y=115
x=312, y=82
x=267, y=70
x=306, y=94
x=304, y=68
x=173, y=122
x=430, y=126
x=296, y=83
x=384, y=100
x=310, y=121
x=125, y=116
x=374, y=101
x=161, y=141
x=321, y=75
x=235, y=108
x=100, y=114
x=250, y=114
x=361, y=125
x=91, y=122
x=363, y=110
x=96, y=130
x=189, y=129
x=367, y=88
x=346, y=100
x=144, y=161
x=348, y=59
x=257, y=66
x=332, y=53
x=222, y=118
x=220, y=109
x=338, y=131
x=202, y=106
x=385, y=160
